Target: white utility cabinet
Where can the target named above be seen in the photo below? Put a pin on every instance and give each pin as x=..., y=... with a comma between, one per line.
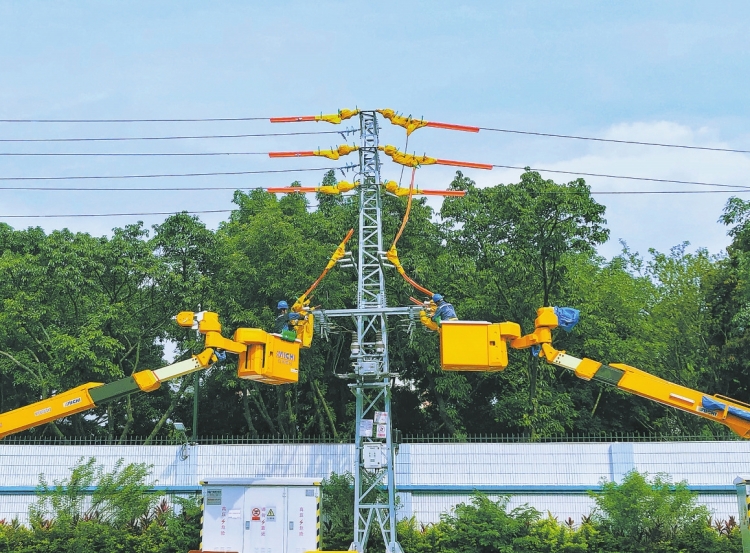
x=261, y=515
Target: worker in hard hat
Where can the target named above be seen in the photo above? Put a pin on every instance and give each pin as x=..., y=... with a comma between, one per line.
x=283, y=319
x=443, y=310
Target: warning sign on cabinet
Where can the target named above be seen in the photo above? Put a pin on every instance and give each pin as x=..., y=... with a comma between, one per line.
x=271, y=515
x=255, y=513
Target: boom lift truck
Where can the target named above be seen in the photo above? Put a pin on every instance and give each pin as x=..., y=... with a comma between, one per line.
x=263, y=357
x=482, y=346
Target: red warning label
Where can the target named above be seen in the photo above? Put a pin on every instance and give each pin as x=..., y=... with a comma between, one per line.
x=256, y=513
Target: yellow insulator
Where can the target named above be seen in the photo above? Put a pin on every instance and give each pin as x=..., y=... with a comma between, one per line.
x=408, y=160
x=337, y=118
x=345, y=149
x=342, y=150
x=392, y=256
x=345, y=186
x=348, y=113
x=339, y=188
x=408, y=123
x=393, y=187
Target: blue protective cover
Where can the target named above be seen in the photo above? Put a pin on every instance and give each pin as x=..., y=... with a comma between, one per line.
x=713, y=405
x=567, y=317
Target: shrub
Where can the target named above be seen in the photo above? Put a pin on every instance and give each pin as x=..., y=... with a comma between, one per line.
x=642, y=516
x=485, y=526
x=96, y=511
x=117, y=498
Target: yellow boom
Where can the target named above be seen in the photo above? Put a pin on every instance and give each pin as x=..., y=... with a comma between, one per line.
x=263, y=357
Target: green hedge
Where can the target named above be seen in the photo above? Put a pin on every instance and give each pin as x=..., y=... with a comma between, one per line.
x=119, y=516
x=639, y=515
x=636, y=516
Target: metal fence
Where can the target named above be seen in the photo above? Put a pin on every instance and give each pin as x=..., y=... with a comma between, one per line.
x=603, y=437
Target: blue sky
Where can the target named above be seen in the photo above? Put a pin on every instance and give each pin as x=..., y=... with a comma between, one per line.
x=658, y=72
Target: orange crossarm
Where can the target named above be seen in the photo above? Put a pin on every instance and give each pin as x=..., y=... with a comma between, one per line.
x=292, y=154
x=335, y=118
x=411, y=124
x=292, y=119
x=292, y=190
x=452, y=193
x=410, y=160
x=464, y=164
x=451, y=126
x=342, y=150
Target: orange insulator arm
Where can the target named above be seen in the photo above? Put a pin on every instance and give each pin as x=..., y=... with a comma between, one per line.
x=411, y=124
x=334, y=118
x=292, y=119
x=451, y=193
x=292, y=189
x=470, y=164
x=308, y=153
x=451, y=127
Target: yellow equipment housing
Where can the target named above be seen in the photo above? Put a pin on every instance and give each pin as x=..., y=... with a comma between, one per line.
x=475, y=345
x=268, y=358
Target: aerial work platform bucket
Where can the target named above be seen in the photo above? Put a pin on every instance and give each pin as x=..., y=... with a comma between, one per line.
x=475, y=345
x=269, y=358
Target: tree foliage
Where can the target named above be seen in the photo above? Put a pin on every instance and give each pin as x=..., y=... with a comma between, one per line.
x=77, y=308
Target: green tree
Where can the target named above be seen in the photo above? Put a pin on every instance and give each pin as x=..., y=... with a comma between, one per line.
x=729, y=303
x=77, y=309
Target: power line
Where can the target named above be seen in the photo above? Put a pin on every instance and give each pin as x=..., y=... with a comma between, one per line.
x=346, y=167
x=134, y=120
x=114, y=214
x=213, y=174
x=208, y=188
x=228, y=119
x=197, y=212
x=638, y=192
x=135, y=188
x=209, y=136
x=594, y=139
x=154, y=213
x=136, y=154
x=648, y=179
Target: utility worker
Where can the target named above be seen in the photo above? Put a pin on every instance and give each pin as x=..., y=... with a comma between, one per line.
x=444, y=311
x=281, y=325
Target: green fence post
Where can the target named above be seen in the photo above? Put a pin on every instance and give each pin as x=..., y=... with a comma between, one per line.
x=742, y=506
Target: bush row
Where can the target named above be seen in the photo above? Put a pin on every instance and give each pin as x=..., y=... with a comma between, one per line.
x=638, y=515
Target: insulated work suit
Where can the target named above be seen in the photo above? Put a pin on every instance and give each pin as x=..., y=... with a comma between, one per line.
x=444, y=312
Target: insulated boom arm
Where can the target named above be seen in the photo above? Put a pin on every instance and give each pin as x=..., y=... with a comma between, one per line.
x=729, y=412
x=94, y=394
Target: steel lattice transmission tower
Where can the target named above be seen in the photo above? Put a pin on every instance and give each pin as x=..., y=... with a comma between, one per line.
x=372, y=380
